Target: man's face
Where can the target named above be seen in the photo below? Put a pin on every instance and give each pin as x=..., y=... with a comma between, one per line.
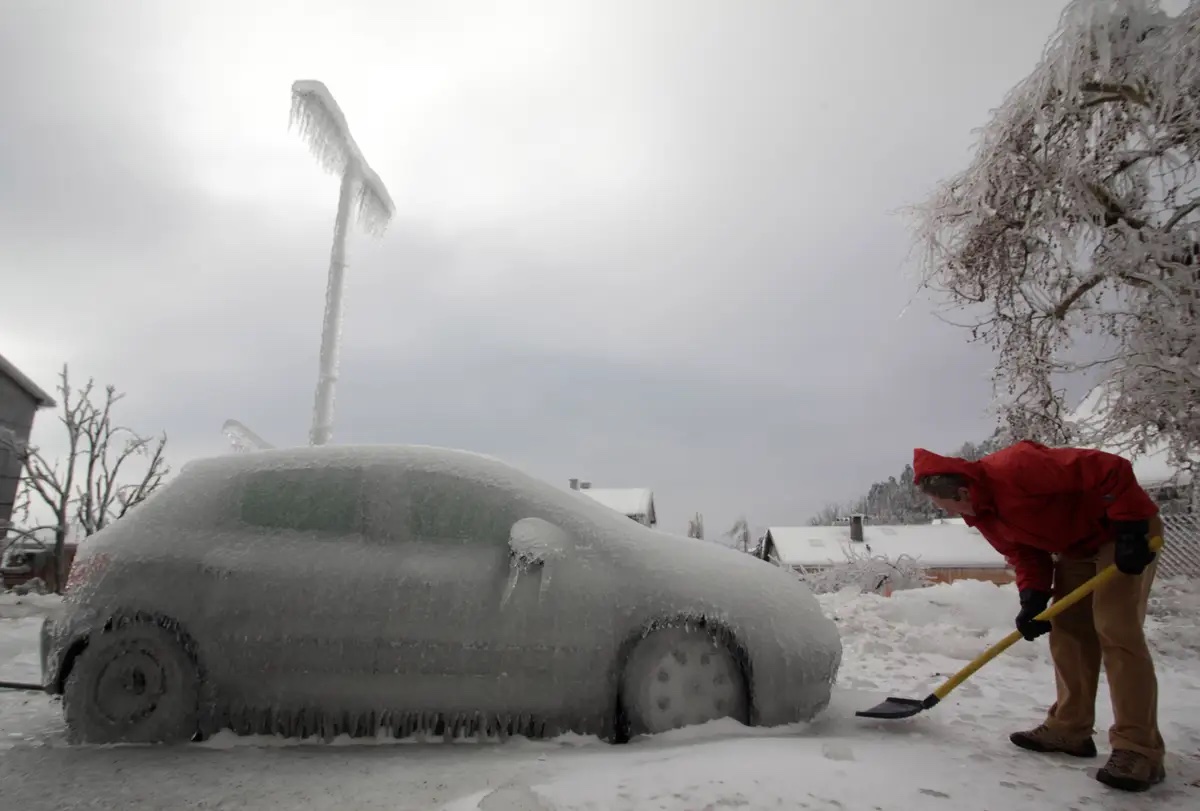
x=960, y=505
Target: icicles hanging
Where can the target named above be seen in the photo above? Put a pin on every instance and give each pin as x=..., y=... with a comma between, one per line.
x=312, y=724
x=373, y=205
x=318, y=119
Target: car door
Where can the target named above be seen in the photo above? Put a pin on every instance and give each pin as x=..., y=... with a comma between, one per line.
x=457, y=618
x=291, y=584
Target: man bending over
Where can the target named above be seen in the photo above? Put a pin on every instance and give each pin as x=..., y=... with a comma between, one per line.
x=1059, y=516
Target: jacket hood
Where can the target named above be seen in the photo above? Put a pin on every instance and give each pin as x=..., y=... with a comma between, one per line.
x=928, y=463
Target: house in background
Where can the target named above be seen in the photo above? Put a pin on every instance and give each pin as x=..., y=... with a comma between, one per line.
x=947, y=550
x=20, y=398
x=28, y=558
x=635, y=502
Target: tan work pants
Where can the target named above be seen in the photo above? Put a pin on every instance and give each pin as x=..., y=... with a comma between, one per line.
x=1106, y=627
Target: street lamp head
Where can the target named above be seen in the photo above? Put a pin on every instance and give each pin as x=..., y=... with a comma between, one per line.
x=320, y=122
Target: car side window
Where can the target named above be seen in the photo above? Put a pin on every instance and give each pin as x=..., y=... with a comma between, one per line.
x=446, y=508
x=405, y=506
x=322, y=499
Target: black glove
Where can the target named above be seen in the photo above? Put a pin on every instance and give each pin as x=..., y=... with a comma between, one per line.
x=1132, y=550
x=1032, y=604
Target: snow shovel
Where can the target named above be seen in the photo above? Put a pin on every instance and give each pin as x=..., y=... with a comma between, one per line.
x=895, y=708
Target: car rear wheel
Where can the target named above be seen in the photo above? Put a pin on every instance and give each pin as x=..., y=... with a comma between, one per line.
x=678, y=677
x=133, y=684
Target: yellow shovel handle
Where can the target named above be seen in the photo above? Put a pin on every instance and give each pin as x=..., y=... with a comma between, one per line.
x=1108, y=573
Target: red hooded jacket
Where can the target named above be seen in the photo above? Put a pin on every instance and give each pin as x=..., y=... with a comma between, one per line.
x=1032, y=501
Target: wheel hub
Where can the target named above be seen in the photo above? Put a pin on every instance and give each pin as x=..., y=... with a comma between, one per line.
x=134, y=682
x=129, y=686
x=692, y=684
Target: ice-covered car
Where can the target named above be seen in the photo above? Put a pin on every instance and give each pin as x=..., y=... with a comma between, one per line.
x=342, y=589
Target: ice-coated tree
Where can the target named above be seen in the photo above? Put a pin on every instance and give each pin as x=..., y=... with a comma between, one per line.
x=105, y=471
x=696, y=527
x=320, y=122
x=1072, y=240
x=828, y=515
x=868, y=574
x=739, y=533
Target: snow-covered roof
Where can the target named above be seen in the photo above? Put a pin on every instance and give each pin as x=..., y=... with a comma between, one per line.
x=941, y=545
x=28, y=386
x=625, y=500
x=1152, y=467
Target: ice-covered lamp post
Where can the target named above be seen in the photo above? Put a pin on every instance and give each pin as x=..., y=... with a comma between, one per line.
x=321, y=123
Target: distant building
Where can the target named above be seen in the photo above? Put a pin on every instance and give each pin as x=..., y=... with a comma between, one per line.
x=20, y=398
x=947, y=550
x=635, y=502
x=32, y=558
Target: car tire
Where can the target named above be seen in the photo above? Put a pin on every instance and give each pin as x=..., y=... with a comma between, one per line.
x=677, y=677
x=133, y=684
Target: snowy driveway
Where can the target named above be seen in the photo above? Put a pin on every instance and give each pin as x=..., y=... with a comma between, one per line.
x=955, y=757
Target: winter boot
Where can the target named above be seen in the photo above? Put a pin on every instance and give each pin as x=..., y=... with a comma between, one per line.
x=1043, y=739
x=1130, y=771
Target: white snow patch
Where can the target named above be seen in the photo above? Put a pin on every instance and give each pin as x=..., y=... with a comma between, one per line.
x=21, y=618
x=13, y=605
x=955, y=756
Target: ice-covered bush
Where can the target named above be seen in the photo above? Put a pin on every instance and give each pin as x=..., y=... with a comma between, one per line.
x=867, y=573
x=32, y=586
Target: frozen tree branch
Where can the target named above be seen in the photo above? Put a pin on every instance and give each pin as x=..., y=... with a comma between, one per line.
x=1064, y=306
x=1180, y=215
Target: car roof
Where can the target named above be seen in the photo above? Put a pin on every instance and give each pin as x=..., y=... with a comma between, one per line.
x=418, y=456
x=468, y=465
x=425, y=458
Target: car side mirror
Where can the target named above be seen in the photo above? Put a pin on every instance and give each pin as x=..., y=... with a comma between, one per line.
x=533, y=541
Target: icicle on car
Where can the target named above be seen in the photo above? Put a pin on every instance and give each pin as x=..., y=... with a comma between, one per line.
x=353, y=590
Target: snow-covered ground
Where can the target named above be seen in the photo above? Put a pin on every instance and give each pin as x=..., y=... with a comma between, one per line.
x=955, y=757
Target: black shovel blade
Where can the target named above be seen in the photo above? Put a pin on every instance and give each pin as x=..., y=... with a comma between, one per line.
x=894, y=708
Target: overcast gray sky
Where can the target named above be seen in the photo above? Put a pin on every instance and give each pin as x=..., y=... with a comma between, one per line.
x=643, y=243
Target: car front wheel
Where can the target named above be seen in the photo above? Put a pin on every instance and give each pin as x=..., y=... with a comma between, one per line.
x=133, y=684
x=678, y=677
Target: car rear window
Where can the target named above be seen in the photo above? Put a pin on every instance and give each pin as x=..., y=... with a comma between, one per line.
x=310, y=499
